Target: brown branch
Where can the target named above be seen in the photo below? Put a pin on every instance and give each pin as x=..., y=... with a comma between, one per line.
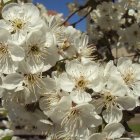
x=109, y=53
x=73, y=13
x=73, y=24
x=89, y=3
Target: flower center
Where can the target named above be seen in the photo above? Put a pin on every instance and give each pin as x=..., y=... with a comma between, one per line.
x=109, y=100
x=66, y=45
x=3, y=49
x=128, y=78
x=81, y=83
x=32, y=80
x=37, y=52
x=17, y=23
x=34, y=49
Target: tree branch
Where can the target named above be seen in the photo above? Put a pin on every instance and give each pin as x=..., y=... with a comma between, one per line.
x=73, y=24
x=79, y=9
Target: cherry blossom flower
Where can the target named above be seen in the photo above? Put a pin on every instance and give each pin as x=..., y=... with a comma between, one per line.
x=78, y=77
x=20, y=19
x=112, y=100
x=111, y=131
x=10, y=53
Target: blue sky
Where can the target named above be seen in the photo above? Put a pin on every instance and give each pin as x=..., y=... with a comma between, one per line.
x=60, y=6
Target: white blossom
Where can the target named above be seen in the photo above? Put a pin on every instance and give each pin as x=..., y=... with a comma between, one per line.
x=112, y=100
x=111, y=131
x=78, y=77
x=10, y=53
x=20, y=19
x=39, y=48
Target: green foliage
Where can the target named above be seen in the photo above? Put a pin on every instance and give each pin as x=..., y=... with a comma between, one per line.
x=7, y=138
x=135, y=128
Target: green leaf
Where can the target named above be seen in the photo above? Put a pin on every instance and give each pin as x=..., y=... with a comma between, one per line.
x=7, y=138
x=7, y=2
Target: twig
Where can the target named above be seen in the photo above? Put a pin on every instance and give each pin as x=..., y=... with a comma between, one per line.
x=116, y=55
x=79, y=9
x=73, y=24
x=109, y=53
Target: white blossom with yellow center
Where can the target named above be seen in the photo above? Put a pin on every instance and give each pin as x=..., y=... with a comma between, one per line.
x=10, y=53
x=110, y=132
x=20, y=19
x=39, y=49
x=79, y=77
x=75, y=118
x=112, y=100
x=65, y=40
x=32, y=83
x=53, y=97
x=130, y=74
x=83, y=50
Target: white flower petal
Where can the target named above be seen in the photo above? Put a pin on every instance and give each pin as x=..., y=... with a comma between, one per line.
x=80, y=97
x=97, y=84
x=43, y=104
x=124, y=64
x=10, y=10
x=30, y=97
x=91, y=70
x=124, y=61
x=98, y=103
x=126, y=102
x=136, y=88
x=32, y=12
x=112, y=71
x=35, y=37
x=136, y=71
x=74, y=69
x=35, y=67
x=114, y=130
x=46, y=122
x=65, y=83
x=94, y=121
x=17, y=53
x=19, y=37
x=112, y=115
x=27, y=68
x=50, y=42
x=88, y=115
x=97, y=136
x=8, y=66
x=52, y=57
x=4, y=35
x=116, y=88
x=50, y=84
x=6, y=25
x=59, y=112
x=12, y=81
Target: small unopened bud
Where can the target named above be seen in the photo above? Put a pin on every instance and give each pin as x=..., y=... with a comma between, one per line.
x=72, y=7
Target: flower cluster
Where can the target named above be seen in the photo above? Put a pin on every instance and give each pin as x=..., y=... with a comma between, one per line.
x=50, y=83
x=116, y=24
